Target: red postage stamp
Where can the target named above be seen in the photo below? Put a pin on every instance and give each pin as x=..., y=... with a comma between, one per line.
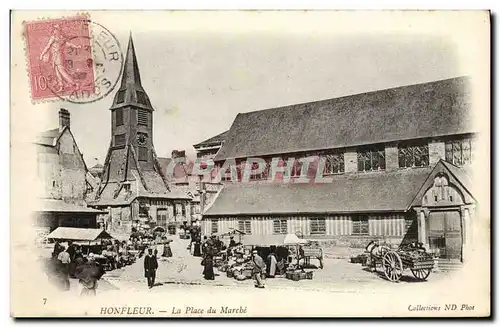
x=60, y=57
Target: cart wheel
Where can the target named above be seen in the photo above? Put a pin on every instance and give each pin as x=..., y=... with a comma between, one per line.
x=421, y=274
x=393, y=267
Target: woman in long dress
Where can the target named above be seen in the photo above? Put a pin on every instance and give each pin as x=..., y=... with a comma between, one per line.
x=167, y=250
x=88, y=274
x=271, y=265
x=208, y=262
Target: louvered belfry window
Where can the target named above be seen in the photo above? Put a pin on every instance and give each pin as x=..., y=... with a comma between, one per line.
x=119, y=116
x=142, y=117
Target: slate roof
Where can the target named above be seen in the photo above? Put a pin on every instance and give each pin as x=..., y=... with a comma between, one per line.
x=48, y=137
x=408, y=112
x=368, y=192
x=216, y=140
x=52, y=205
x=463, y=174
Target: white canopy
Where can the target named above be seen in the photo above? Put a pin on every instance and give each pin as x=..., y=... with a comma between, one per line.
x=291, y=239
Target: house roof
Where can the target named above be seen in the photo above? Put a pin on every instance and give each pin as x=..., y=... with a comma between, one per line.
x=215, y=140
x=415, y=111
x=52, y=205
x=368, y=192
x=78, y=234
x=462, y=174
x=180, y=171
x=48, y=137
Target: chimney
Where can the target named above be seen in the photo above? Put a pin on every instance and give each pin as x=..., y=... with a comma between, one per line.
x=64, y=119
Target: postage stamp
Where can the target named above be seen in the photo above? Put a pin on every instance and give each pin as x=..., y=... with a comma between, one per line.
x=71, y=59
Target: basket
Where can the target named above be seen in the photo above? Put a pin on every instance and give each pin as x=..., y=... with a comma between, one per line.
x=303, y=275
x=247, y=272
x=295, y=276
x=309, y=275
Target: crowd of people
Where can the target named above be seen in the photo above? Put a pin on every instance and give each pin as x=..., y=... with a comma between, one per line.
x=70, y=261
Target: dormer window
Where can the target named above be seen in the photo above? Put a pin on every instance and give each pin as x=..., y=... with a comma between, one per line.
x=120, y=97
x=141, y=98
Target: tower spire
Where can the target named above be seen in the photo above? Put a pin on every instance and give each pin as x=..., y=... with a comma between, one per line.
x=131, y=73
x=131, y=91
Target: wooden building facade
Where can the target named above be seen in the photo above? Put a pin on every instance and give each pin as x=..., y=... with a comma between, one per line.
x=380, y=151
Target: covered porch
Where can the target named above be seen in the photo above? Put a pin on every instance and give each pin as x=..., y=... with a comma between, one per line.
x=445, y=210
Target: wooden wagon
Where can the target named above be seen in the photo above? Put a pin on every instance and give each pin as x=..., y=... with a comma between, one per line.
x=394, y=262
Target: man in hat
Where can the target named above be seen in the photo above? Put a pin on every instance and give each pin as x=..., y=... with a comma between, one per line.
x=259, y=267
x=150, y=266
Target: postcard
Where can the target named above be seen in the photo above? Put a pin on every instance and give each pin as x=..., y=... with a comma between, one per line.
x=243, y=164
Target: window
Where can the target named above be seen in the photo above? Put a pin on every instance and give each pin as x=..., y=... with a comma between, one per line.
x=215, y=226
x=143, y=153
x=142, y=117
x=262, y=175
x=119, y=117
x=141, y=98
x=413, y=156
x=280, y=226
x=371, y=159
x=120, y=97
x=296, y=168
x=334, y=163
x=161, y=217
x=119, y=139
x=245, y=226
x=360, y=225
x=459, y=152
x=317, y=225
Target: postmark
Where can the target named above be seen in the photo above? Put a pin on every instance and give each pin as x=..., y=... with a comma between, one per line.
x=71, y=59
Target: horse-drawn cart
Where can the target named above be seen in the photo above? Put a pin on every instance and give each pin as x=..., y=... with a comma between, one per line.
x=394, y=262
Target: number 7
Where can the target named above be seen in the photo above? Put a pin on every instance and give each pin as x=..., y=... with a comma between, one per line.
x=44, y=300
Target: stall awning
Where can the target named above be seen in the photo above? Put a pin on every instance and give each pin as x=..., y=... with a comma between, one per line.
x=78, y=234
x=292, y=239
x=263, y=240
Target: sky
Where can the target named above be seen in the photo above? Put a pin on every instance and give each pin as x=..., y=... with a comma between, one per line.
x=200, y=70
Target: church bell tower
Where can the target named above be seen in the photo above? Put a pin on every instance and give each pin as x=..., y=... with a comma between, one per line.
x=131, y=165
x=132, y=113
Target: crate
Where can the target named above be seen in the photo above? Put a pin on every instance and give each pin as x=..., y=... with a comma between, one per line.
x=309, y=275
x=303, y=275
